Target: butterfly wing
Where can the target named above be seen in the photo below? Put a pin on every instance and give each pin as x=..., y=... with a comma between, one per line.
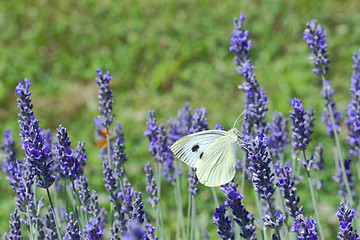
x=217, y=166
x=190, y=149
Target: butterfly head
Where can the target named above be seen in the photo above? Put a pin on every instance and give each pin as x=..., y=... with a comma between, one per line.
x=236, y=136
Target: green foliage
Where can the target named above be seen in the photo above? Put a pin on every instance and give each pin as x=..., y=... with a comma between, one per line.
x=162, y=54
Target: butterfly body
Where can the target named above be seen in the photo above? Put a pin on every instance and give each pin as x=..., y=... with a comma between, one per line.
x=212, y=153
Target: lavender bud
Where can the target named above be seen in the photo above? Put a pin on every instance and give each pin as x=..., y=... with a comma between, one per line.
x=259, y=165
x=193, y=182
x=305, y=228
x=105, y=98
x=223, y=223
x=151, y=187
x=279, y=138
x=345, y=216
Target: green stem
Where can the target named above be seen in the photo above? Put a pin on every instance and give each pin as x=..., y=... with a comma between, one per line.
x=313, y=200
x=350, y=199
x=215, y=196
x=243, y=173
x=74, y=199
x=188, y=217
x=274, y=218
x=54, y=215
x=193, y=217
x=258, y=206
x=180, y=206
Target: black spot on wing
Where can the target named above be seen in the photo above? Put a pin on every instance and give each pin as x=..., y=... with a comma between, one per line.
x=195, y=148
x=201, y=154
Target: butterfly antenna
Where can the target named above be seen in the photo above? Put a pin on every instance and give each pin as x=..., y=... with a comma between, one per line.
x=239, y=117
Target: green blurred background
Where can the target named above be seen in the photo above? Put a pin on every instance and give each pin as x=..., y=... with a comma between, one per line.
x=162, y=54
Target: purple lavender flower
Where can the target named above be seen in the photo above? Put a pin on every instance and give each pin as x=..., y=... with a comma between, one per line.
x=300, y=127
x=339, y=178
x=151, y=131
x=21, y=182
x=193, y=182
x=137, y=213
x=259, y=165
x=89, y=203
x=93, y=230
x=38, y=154
x=111, y=183
x=80, y=156
x=305, y=228
x=127, y=195
x=243, y=218
x=218, y=127
x=105, y=98
x=279, y=138
x=314, y=36
x=150, y=232
x=205, y=235
x=72, y=228
x=255, y=96
x=158, y=138
x=50, y=225
x=355, y=236
x=240, y=44
x=14, y=226
x=327, y=93
x=151, y=187
x=135, y=231
x=223, y=223
x=119, y=157
x=8, y=145
x=345, y=216
x=199, y=121
x=353, y=111
x=180, y=126
x=288, y=191
x=310, y=119
x=274, y=222
x=159, y=146
x=24, y=101
x=69, y=165
x=318, y=158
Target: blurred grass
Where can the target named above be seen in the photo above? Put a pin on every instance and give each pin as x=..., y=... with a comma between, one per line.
x=162, y=54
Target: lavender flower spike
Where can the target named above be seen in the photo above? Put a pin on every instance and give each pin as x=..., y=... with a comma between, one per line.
x=279, y=138
x=93, y=229
x=288, y=191
x=340, y=179
x=151, y=187
x=105, y=98
x=193, y=182
x=14, y=226
x=353, y=111
x=38, y=154
x=69, y=164
x=259, y=165
x=72, y=228
x=300, y=127
x=255, y=96
x=8, y=145
x=199, y=122
x=305, y=228
x=327, y=93
x=243, y=218
x=314, y=36
x=345, y=216
x=223, y=223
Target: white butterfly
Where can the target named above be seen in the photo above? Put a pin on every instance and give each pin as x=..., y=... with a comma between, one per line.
x=212, y=153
